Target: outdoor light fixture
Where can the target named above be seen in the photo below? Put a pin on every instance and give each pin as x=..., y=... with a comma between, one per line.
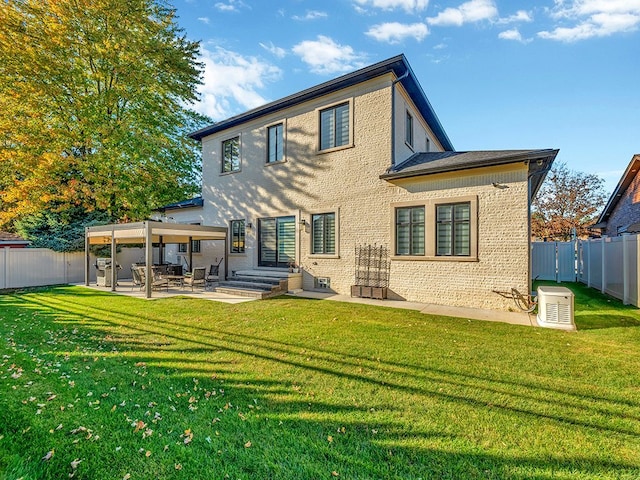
x=249, y=225
x=303, y=222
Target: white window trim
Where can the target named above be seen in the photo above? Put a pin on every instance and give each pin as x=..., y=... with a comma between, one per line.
x=350, y=143
x=336, y=212
x=226, y=139
x=430, y=229
x=282, y=122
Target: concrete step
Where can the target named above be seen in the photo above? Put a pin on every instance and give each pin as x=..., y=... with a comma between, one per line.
x=247, y=292
x=254, y=278
x=257, y=284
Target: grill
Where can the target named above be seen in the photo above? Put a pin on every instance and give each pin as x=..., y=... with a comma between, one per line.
x=103, y=272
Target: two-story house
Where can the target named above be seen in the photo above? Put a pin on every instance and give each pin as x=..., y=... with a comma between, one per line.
x=363, y=160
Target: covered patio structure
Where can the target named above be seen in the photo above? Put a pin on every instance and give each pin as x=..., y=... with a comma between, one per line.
x=146, y=233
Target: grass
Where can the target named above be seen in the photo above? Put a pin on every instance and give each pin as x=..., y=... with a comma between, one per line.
x=302, y=389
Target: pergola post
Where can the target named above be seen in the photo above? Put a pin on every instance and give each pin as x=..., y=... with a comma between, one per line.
x=148, y=256
x=87, y=257
x=114, y=272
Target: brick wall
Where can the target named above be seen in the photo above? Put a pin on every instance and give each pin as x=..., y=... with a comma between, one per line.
x=627, y=210
x=346, y=181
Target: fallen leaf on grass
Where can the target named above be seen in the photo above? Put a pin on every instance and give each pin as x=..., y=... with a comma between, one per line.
x=127, y=476
x=75, y=463
x=335, y=474
x=48, y=456
x=178, y=466
x=248, y=444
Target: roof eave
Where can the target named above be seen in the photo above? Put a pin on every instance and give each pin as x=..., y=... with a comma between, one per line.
x=625, y=181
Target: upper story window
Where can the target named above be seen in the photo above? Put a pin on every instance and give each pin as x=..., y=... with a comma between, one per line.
x=427, y=145
x=323, y=233
x=275, y=143
x=231, y=155
x=334, y=126
x=410, y=230
x=237, y=236
x=408, y=130
x=453, y=229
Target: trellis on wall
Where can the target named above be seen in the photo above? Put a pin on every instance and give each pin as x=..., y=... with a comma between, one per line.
x=372, y=272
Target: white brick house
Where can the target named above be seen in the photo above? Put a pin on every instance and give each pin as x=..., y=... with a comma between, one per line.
x=359, y=160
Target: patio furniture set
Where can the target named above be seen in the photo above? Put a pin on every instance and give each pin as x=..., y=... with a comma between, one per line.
x=164, y=276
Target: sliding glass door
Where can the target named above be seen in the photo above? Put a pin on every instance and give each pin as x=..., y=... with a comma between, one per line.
x=277, y=241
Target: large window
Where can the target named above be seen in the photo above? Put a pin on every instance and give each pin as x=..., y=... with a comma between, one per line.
x=231, y=155
x=323, y=233
x=410, y=231
x=334, y=126
x=275, y=143
x=195, y=247
x=453, y=229
x=237, y=236
x=408, y=130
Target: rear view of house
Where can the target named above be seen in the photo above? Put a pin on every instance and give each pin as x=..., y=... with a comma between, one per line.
x=362, y=160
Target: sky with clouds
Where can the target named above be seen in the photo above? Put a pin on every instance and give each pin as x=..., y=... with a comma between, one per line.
x=500, y=74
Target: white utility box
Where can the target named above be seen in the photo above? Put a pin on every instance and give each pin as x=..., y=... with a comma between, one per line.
x=555, y=308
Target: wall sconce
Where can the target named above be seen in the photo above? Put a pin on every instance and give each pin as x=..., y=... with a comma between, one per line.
x=303, y=222
x=249, y=225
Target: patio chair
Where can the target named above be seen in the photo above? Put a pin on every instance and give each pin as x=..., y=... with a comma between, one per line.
x=197, y=278
x=158, y=281
x=137, y=276
x=214, y=274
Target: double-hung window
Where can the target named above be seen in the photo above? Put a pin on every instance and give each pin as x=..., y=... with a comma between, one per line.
x=231, y=155
x=323, y=233
x=408, y=130
x=237, y=236
x=410, y=230
x=275, y=143
x=334, y=126
x=453, y=229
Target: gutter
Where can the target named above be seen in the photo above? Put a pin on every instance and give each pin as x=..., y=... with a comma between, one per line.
x=393, y=117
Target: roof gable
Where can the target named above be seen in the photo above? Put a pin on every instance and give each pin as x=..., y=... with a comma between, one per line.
x=633, y=169
x=398, y=65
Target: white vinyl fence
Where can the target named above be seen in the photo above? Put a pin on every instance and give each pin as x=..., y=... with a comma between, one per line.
x=34, y=267
x=609, y=264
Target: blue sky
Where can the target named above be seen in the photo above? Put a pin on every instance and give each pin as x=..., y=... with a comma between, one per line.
x=500, y=74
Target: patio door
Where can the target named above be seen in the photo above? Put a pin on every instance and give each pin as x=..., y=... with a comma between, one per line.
x=277, y=241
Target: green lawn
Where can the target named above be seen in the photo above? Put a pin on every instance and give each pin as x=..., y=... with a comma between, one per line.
x=290, y=388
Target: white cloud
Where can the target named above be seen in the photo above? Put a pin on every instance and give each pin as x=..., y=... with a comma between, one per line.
x=519, y=16
x=204, y=20
x=324, y=56
x=231, y=80
x=310, y=15
x=513, y=34
x=395, y=32
x=407, y=5
x=231, y=6
x=593, y=18
x=271, y=48
x=468, y=12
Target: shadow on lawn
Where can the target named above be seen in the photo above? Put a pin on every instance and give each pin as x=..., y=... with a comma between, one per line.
x=394, y=449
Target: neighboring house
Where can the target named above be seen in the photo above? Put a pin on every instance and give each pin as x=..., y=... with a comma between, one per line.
x=363, y=160
x=12, y=240
x=622, y=212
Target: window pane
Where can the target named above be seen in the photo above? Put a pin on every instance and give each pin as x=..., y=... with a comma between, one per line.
x=327, y=129
x=237, y=236
x=268, y=240
x=402, y=239
x=417, y=239
x=409, y=129
x=443, y=239
x=323, y=233
x=443, y=213
x=231, y=155
x=462, y=239
x=276, y=143
x=286, y=239
x=330, y=233
x=462, y=211
x=403, y=215
x=342, y=125
x=317, y=225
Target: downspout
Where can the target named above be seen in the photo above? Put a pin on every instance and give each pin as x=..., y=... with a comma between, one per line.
x=393, y=117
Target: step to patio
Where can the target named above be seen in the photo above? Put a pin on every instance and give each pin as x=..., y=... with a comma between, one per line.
x=250, y=284
x=247, y=292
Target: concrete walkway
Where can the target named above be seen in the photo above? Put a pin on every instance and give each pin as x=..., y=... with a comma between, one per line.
x=514, y=318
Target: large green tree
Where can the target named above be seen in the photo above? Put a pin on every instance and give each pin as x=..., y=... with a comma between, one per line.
x=94, y=108
x=567, y=204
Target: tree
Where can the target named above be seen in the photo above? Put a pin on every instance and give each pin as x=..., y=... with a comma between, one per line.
x=94, y=97
x=568, y=200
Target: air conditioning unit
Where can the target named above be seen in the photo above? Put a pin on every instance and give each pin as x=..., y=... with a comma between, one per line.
x=555, y=308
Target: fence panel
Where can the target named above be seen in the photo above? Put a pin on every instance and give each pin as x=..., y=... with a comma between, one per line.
x=633, y=269
x=613, y=268
x=543, y=260
x=566, y=261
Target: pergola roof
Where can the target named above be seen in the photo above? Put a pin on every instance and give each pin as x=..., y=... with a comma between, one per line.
x=147, y=233
x=137, y=233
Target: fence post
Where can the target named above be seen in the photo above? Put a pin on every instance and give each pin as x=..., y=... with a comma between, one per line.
x=589, y=262
x=5, y=274
x=625, y=269
x=603, y=264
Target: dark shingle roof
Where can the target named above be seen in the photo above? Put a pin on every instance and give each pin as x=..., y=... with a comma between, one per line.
x=626, y=179
x=195, y=202
x=398, y=65
x=429, y=163
x=7, y=237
